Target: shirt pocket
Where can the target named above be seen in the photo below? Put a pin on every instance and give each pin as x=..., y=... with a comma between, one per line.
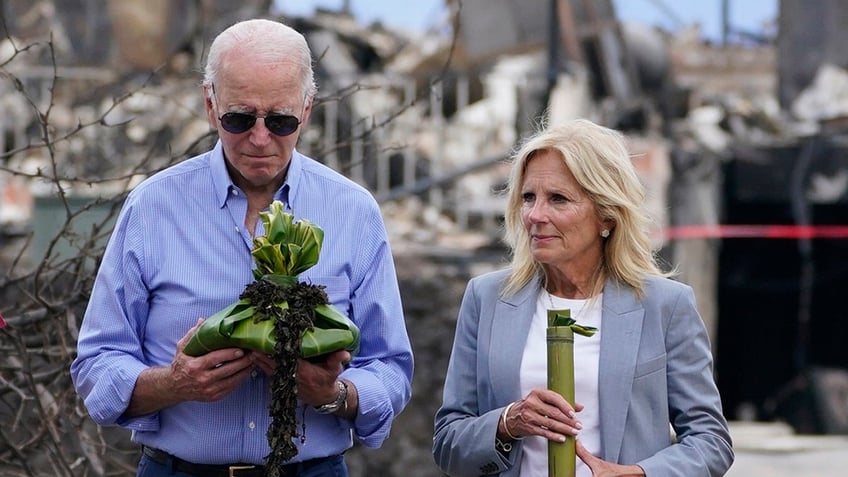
x=650, y=366
x=337, y=289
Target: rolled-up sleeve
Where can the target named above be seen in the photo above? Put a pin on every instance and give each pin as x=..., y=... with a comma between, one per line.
x=109, y=352
x=382, y=370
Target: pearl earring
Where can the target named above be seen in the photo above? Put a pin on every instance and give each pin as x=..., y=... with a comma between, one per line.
x=605, y=233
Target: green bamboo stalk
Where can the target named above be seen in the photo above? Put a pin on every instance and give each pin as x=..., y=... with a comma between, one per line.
x=560, y=338
x=561, y=455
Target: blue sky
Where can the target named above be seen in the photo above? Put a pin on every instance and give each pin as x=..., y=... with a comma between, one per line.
x=415, y=14
x=420, y=14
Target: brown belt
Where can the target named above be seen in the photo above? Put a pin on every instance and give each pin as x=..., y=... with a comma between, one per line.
x=231, y=470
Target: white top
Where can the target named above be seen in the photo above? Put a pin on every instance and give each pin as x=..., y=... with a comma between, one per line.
x=534, y=374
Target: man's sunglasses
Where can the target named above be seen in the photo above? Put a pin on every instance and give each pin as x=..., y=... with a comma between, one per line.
x=237, y=123
x=279, y=124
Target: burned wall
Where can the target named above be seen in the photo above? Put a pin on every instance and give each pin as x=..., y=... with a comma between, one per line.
x=781, y=294
x=812, y=33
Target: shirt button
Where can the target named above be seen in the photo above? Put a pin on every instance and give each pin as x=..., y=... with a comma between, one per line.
x=235, y=192
x=253, y=374
x=252, y=425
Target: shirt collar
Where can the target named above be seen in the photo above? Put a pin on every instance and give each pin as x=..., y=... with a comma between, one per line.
x=223, y=183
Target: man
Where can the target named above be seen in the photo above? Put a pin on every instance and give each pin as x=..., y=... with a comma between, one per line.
x=181, y=250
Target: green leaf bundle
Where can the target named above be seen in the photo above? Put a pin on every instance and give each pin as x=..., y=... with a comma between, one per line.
x=280, y=316
x=287, y=249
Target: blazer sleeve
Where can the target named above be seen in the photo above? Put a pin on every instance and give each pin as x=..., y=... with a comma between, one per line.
x=465, y=430
x=703, y=444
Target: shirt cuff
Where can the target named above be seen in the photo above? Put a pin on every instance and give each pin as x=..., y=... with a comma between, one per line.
x=374, y=415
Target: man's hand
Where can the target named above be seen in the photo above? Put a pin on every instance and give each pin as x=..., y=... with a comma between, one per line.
x=209, y=377
x=204, y=378
x=316, y=382
x=265, y=362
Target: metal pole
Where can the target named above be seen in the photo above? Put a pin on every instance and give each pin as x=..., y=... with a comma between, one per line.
x=553, y=48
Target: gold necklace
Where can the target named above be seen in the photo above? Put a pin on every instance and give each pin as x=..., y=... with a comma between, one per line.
x=572, y=314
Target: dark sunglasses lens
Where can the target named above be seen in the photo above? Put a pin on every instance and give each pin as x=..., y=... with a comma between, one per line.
x=237, y=123
x=281, y=125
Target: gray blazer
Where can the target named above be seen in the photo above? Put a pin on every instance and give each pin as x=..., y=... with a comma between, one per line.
x=655, y=369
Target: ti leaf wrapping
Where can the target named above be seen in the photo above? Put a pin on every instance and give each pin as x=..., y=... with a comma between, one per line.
x=287, y=249
x=282, y=317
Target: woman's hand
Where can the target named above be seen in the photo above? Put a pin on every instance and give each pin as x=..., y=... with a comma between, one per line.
x=602, y=468
x=542, y=413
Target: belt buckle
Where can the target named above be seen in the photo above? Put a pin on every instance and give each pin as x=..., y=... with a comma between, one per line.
x=236, y=468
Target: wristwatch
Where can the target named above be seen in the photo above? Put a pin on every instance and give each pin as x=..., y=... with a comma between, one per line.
x=339, y=404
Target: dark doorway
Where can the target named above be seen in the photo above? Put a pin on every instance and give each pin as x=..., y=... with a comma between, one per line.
x=781, y=301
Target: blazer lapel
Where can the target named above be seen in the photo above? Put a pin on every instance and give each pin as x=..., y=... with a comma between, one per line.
x=621, y=328
x=510, y=327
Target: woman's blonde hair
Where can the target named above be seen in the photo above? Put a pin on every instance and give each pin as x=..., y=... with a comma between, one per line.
x=598, y=158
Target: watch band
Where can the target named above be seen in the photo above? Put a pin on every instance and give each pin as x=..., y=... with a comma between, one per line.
x=339, y=404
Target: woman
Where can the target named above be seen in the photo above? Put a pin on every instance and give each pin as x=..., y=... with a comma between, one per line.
x=577, y=232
